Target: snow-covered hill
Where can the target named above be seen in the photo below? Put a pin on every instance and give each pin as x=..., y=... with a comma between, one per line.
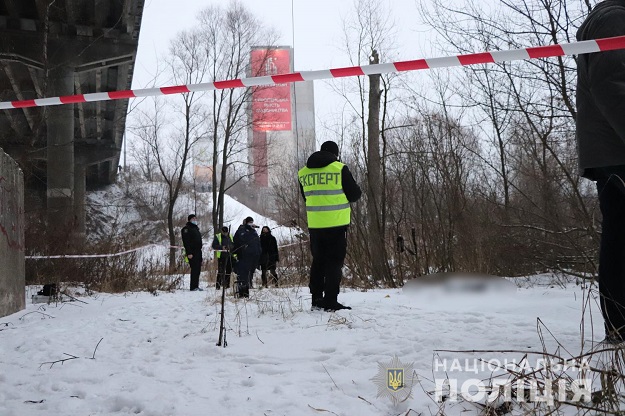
x=136, y=213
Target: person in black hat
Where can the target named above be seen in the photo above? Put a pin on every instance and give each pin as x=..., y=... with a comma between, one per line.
x=223, y=242
x=247, y=248
x=192, y=241
x=328, y=187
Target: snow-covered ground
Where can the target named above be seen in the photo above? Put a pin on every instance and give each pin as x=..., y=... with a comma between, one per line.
x=157, y=355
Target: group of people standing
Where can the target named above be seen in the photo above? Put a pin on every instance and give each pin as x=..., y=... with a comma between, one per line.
x=243, y=254
x=328, y=188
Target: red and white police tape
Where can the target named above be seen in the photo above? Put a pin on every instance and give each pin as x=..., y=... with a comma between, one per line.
x=562, y=49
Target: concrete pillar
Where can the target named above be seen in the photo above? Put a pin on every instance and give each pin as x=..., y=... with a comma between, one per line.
x=12, y=281
x=80, y=189
x=60, y=124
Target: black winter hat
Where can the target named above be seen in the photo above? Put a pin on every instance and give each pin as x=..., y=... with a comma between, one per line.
x=190, y=216
x=248, y=220
x=331, y=147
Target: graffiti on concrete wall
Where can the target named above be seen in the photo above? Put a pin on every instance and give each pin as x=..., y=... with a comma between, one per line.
x=9, y=215
x=12, y=281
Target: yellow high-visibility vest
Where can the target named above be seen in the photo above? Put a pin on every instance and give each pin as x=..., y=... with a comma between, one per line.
x=219, y=239
x=326, y=203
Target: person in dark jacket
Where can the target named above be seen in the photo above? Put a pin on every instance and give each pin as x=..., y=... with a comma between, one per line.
x=192, y=241
x=328, y=187
x=247, y=248
x=269, y=256
x=601, y=151
x=224, y=245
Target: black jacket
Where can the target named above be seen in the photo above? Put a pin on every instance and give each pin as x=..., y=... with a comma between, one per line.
x=601, y=92
x=192, y=239
x=269, y=246
x=321, y=159
x=247, y=245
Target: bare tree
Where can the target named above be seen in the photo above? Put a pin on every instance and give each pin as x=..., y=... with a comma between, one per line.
x=367, y=33
x=229, y=34
x=170, y=139
x=526, y=110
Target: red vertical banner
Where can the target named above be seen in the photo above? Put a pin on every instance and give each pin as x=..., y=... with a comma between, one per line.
x=271, y=106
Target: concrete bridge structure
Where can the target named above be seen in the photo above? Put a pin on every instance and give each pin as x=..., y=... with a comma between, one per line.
x=57, y=48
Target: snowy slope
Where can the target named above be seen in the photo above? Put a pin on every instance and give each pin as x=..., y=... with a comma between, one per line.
x=157, y=354
x=137, y=211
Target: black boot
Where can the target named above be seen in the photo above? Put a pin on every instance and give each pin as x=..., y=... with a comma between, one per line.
x=332, y=305
x=317, y=303
x=243, y=290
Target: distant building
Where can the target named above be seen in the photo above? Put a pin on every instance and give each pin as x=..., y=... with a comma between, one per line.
x=203, y=165
x=280, y=136
x=282, y=120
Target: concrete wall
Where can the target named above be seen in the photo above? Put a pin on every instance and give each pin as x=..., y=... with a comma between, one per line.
x=12, y=283
x=304, y=103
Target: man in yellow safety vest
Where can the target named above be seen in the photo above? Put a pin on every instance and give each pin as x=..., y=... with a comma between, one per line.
x=223, y=244
x=328, y=188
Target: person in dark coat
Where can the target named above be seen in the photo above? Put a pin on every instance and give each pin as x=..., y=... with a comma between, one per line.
x=224, y=245
x=328, y=187
x=247, y=248
x=269, y=256
x=601, y=151
x=192, y=241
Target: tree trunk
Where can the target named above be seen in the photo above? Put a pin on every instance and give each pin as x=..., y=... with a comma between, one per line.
x=172, y=235
x=379, y=259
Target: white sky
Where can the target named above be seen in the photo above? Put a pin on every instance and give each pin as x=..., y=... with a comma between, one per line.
x=317, y=28
x=317, y=35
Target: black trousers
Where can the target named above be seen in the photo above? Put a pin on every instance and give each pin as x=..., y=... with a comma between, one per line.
x=328, y=247
x=271, y=267
x=224, y=270
x=244, y=279
x=196, y=266
x=611, y=191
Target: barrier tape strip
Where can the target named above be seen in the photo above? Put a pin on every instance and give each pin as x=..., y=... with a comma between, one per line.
x=561, y=49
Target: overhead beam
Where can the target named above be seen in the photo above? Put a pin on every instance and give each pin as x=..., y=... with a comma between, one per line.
x=84, y=153
x=105, y=63
x=34, y=76
x=28, y=61
x=70, y=51
x=18, y=93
